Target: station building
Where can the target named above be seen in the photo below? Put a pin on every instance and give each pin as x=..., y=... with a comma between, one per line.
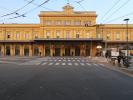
x=62, y=33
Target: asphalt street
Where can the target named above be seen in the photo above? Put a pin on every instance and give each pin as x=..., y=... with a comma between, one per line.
x=63, y=79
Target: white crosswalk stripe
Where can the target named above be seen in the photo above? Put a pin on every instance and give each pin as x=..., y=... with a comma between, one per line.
x=76, y=64
x=70, y=64
x=50, y=64
x=63, y=64
x=82, y=64
x=44, y=63
x=88, y=64
x=57, y=63
x=95, y=64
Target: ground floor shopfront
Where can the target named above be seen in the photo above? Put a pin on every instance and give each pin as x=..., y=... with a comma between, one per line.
x=49, y=49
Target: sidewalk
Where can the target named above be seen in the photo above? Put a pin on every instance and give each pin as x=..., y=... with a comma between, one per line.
x=114, y=67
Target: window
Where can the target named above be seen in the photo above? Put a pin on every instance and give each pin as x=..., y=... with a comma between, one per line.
x=117, y=36
x=35, y=35
x=87, y=23
x=77, y=34
x=17, y=35
x=48, y=22
x=58, y=22
x=0, y=34
x=98, y=35
x=88, y=34
x=67, y=22
x=26, y=35
x=57, y=34
x=108, y=36
x=47, y=34
x=78, y=22
x=8, y=35
x=67, y=34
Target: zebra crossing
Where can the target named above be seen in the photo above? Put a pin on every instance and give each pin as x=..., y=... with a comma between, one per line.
x=60, y=61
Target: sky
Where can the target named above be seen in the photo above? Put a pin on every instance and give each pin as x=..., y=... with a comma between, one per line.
x=105, y=9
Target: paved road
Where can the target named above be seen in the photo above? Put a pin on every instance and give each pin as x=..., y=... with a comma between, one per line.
x=60, y=80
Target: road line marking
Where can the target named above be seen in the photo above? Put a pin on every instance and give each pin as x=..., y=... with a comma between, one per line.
x=82, y=64
x=57, y=64
x=44, y=63
x=88, y=64
x=69, y=64
x=63, y=64
x=95, y=64
x=50, y=64
x=78, y=60
x=76, y=64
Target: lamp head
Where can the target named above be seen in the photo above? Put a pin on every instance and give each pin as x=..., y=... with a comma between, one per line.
x=127, y=19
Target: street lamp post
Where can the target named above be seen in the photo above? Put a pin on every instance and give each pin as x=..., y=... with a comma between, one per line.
x=127, y=45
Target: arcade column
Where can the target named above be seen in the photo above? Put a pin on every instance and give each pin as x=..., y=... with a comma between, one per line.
x=12, y=49
x=31, y=50
x=21, y=50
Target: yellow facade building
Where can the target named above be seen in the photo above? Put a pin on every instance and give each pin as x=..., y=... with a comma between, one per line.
x=62, y=33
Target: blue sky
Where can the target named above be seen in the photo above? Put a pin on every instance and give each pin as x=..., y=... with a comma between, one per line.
x=100, y=6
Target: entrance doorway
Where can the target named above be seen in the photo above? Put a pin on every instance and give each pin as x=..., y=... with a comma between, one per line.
x=8, y=52
x=0, y=51
x=67, y=51
x=36, y=51
x=87, y=51
x=26, y=51
x=17, y=51
x=47, y=51
x=57, y=51
x=77, y=51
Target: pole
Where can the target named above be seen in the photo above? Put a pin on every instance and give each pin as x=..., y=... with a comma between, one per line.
x=127, y=44
x=91, y=48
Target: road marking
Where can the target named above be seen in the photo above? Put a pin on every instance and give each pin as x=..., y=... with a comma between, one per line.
x=76, y=64
x=44, y=63
x=57, y=64
x=95, y=64
x=82, y=64
x=69, y=64
x=88, y=64
x=63, y=64
x=50, y=64
x=37, y=63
